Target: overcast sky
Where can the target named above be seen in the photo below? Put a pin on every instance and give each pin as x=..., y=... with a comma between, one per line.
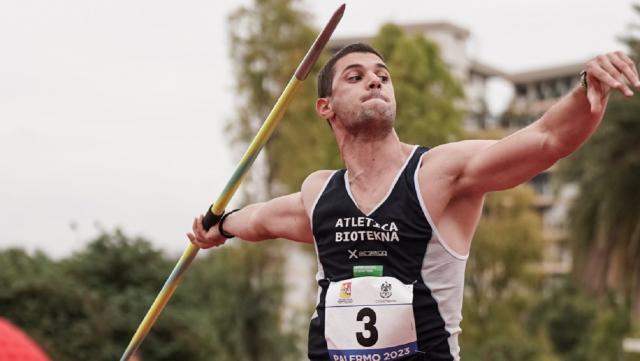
x=112, y=112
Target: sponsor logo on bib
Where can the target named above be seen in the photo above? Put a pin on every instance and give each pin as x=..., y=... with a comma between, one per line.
x=345, y=293
x=385, y=290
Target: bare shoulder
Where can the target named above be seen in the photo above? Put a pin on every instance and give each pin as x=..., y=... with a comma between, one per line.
x=441, y=171
x=449, y=160
x=312, y=186
x=316, y=180
x=461, y=150
x=454, y=213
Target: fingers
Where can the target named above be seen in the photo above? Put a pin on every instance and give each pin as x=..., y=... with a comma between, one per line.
x=195, y=241
x=599, y=73
x=196, y=237
x=616, y=71
x=606, y=72
x=199, y=228
x=594, y=95
x=627, y=67
x=202, y=238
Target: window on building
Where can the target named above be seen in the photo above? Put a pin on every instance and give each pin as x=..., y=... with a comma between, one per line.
x=558, y=88
x=539, y=92
x=569, y=82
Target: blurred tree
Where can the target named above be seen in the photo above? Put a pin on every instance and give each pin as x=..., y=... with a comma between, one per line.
x=122, y=276
x=268, y=40
x=86, y=307
x=501, y=280
x=605, y=218
x=82, y=307
x=29, y=286
x=239, y=293
x=578, y=326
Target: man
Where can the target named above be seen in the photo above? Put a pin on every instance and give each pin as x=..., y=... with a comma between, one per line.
x=393, y=230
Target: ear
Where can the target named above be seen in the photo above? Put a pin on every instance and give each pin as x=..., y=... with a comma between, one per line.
x=323, y=108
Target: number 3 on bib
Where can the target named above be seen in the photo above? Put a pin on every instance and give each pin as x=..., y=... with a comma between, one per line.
x=369, y=326
x=369, y=318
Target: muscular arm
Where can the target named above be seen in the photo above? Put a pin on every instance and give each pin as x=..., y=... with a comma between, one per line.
x=455, y=177
x=282, y=217
x=496, y=165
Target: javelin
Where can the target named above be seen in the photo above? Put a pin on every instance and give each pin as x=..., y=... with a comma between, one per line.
x=214, y=213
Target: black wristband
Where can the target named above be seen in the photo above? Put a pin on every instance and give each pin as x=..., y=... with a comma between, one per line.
x=220, y=229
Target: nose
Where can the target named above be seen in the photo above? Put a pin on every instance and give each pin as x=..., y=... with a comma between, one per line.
x=374, y=82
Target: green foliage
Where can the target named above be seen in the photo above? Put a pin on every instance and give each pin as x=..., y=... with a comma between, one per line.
x=579, y=327
x=605, y=217
x=268, y=40
x=86, y=307
x=501, y=280
x=513, y=312
x=240, y=293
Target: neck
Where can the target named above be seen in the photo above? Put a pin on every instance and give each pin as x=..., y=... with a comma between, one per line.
x=368, y=159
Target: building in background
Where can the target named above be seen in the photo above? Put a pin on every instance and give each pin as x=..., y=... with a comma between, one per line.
x=536, y=90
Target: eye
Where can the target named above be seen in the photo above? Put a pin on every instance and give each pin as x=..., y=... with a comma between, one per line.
x=384, y=78
x=354, y=78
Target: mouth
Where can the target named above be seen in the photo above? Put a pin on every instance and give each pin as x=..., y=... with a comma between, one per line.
x=373, y=96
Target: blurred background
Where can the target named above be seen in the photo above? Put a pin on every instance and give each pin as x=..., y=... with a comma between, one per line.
x=121, y=121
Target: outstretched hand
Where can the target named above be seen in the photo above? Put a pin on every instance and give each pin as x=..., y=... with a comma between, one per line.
x=607, y=72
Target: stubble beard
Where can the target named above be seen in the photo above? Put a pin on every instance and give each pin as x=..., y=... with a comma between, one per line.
x=370, y=123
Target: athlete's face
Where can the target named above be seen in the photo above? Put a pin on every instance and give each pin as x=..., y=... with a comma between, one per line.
x=362, y=97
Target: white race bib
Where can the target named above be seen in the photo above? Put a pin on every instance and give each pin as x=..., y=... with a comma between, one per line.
x=370, y=318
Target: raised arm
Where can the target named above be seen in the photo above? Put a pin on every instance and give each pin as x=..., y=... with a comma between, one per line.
x=282, y=217
x=486, y=166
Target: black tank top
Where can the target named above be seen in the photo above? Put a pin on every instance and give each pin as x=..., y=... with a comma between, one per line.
x=392, y=240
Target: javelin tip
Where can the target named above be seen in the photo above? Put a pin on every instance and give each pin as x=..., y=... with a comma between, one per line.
x=319, y=44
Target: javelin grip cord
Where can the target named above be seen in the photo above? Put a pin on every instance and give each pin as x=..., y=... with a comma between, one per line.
x=210, y=219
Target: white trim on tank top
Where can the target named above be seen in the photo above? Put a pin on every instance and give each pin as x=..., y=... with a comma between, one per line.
x=320, y=273
x=436, y=234
x=393, y=185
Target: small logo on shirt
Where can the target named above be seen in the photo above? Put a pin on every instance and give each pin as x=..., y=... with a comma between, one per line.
x=385, y=290
x=357, y=254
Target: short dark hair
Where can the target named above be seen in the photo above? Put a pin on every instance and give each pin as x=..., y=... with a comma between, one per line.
x=325, y=77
